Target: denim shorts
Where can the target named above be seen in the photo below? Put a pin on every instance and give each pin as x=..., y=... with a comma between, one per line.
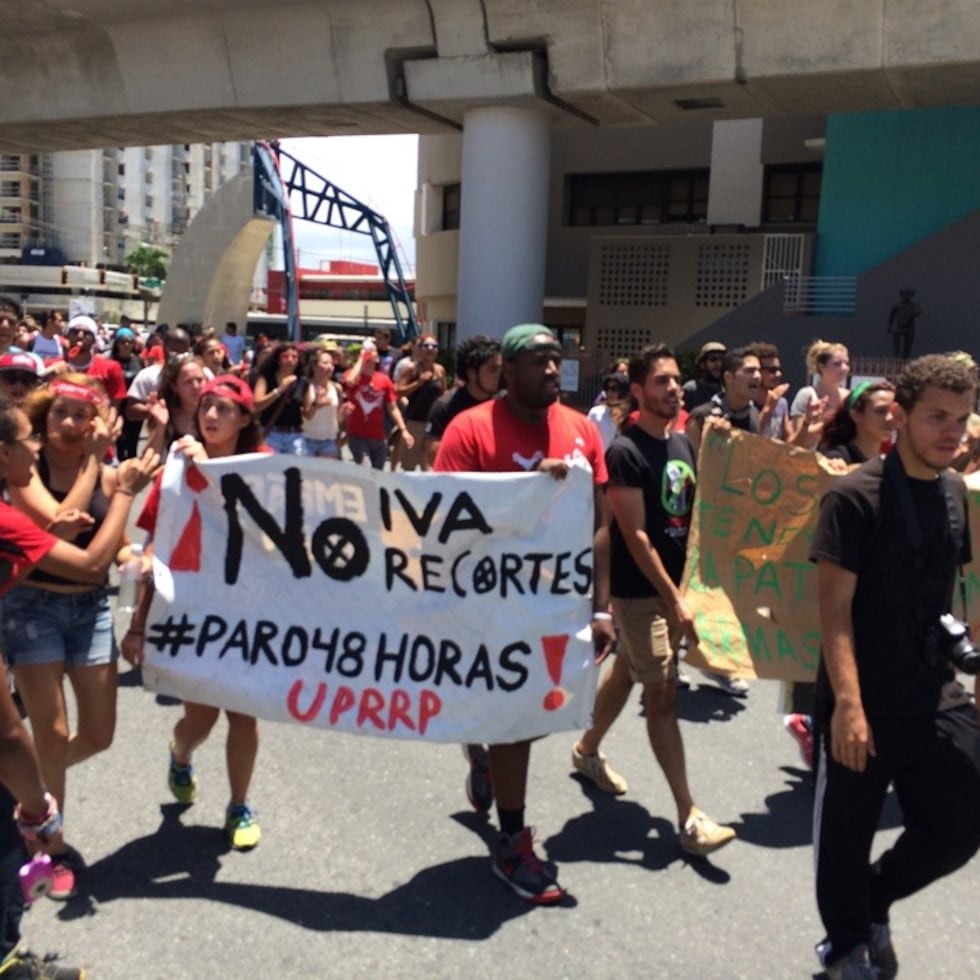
x=322, y=447
x=40, y=627
x=290, y=443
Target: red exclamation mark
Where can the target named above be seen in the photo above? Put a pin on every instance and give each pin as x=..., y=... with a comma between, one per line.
x=554, y=657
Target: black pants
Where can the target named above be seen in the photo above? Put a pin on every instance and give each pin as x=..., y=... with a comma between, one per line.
x=12, y=855
x=902, y=342
x=934, y=764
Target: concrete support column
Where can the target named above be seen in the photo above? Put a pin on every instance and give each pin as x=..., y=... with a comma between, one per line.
x=503, y=220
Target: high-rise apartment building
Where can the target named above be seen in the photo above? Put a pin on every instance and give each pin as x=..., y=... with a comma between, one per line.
x=22, y=211
x=96, y=206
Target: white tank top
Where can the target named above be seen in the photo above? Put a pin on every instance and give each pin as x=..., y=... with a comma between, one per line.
x=323, y=424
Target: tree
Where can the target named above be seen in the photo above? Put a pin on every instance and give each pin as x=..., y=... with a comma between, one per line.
x=148, y=262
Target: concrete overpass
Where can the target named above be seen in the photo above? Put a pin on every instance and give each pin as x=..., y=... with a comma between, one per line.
x=91, y=73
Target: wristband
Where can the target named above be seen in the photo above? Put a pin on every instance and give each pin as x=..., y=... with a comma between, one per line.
x=39, y=828
x=603, y=617
x=134, y=632
x=122, y=490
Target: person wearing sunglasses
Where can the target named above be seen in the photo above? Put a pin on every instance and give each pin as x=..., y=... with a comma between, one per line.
x=420, y=385
x=18, y=376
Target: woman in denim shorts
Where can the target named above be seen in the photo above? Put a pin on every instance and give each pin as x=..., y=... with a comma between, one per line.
x=321, y=428
x=60, y=625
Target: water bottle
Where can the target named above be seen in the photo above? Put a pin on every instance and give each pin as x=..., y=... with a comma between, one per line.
x=129, y=580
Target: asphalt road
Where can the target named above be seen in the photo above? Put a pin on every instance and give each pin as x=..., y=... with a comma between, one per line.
x=372, y=863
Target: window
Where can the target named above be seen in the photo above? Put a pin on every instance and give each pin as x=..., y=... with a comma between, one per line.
x=451, y=202
x=10, y=188
x=641, y=198
x=792, y=193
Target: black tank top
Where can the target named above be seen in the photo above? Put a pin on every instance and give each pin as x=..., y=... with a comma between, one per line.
x=98, y=507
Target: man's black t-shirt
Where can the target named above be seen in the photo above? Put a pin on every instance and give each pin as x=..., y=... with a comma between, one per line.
x=861, y=529
x=664, y=469
x=849, y=453
x=747, y=420
x=445, y=409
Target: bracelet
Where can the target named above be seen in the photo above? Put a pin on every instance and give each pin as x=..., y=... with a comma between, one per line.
x=134, y=632
x=603, y=617
x=39, y=828
x=128, y=493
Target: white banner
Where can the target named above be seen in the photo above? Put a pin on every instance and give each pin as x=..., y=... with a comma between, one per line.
x=445, y=607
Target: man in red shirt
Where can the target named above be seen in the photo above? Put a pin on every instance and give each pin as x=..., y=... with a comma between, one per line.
x=82, y=335
x=526, y=429
x=370, y=395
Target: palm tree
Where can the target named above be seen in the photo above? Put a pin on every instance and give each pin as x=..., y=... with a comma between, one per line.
x=148, y=262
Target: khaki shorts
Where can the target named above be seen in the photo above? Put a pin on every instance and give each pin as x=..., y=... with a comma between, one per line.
x=648, y=637
x=409, y=459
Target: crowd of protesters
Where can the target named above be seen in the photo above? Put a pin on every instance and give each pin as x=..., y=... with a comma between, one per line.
x=80, y=396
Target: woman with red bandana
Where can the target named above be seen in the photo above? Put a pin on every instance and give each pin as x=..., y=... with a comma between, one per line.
x=226, y=425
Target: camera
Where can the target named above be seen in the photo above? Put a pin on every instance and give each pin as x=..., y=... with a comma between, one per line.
x=951, y=638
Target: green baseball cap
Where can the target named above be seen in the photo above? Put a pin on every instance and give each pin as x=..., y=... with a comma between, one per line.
x=527, y=336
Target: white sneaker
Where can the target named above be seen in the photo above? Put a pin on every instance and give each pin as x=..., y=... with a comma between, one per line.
x=737, y=687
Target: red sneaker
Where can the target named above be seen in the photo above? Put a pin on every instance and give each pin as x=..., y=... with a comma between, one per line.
x=801, y=728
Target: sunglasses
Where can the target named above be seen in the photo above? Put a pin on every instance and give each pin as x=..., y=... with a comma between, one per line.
x=429, y=346
x=19, y=378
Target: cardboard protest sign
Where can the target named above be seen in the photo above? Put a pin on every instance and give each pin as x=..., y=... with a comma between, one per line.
x=445, y=607
x=748, y=579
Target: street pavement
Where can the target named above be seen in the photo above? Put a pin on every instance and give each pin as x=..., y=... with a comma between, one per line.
x=373, y=864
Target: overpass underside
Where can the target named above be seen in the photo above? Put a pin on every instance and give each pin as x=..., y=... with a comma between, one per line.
x=93, y=73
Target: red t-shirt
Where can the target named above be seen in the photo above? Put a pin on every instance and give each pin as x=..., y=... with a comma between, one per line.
x=368, y=396
x=488, y=438
x=106, y=371
x=109, y=372
x=22, y=545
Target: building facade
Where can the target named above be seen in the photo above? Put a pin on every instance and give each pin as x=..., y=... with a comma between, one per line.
x=92, y=208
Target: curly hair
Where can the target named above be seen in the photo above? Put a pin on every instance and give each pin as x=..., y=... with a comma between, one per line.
x=8, y=420
x=473, y=353
x=38, y=403
x=933, y=371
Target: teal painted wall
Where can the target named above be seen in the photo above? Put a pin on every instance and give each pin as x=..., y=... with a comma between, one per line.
x=891, y=179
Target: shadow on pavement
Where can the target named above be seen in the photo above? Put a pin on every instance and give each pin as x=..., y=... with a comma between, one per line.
x=788, y=820
x=618, y=831
x=455, y=900
x=707, y=703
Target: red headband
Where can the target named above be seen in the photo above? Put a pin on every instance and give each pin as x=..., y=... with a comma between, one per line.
x=82, y=393
x=228, y=386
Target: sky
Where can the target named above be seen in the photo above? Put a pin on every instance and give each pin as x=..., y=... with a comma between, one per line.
x=380, y=171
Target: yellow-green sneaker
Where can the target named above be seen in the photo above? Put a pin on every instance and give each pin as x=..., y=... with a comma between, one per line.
x=240, y=826
x=181, y=780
